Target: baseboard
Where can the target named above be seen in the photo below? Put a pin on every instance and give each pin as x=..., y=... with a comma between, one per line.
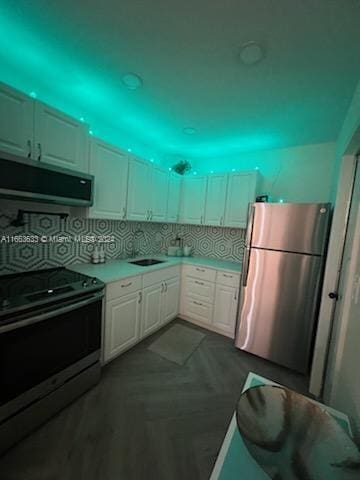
x=206, y=326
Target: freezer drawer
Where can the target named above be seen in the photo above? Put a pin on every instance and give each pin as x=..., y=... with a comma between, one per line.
x=278, y=307
x=291, y=227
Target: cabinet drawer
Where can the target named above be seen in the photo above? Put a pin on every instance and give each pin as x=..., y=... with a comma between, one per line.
x=123, y=287
x=201, y=290
x=200, y=311
x=200, y=272
x=160, y=275
x=228, y=278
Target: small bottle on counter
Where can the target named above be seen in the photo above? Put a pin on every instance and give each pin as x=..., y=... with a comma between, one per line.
x=95, y=256
x=101, y=254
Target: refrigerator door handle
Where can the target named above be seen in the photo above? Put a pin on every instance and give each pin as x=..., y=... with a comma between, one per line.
x=250, y=226
x=245, y=266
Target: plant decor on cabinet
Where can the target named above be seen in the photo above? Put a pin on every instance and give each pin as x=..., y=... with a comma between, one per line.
x=182, y=167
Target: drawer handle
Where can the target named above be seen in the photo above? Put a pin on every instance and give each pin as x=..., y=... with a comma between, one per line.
x=200, y=269
x=198, y=303
x=227, y=276
x=199, y=283
x=126, y=285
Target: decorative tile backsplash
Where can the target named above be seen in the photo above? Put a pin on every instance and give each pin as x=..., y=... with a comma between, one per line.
x=47, y=241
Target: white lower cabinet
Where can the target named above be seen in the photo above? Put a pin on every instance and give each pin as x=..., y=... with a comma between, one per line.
x=151, y=320
x=160, y=304
x=138, y=306
x=171, y=296
x=211, y=303
x=226, y=300
x=200, y=311
x=122, y=324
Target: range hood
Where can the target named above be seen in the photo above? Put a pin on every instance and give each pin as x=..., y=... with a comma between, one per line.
x=25, y=179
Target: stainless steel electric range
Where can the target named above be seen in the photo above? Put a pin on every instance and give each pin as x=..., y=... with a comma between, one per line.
x=50, y=341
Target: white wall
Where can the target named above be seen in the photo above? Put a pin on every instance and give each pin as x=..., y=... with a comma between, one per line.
x=296, y=174
x=347, y=141
x=349, y=138
x=342, y=386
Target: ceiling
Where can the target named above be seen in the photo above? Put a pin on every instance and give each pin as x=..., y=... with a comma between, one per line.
x=74, y=53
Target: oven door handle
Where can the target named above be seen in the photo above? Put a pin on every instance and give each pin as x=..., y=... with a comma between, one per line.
x=14, y=325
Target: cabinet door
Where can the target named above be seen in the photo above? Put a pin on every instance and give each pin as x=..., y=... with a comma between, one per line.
x=122, y=324
x=17, y=122
x=159, y=188
x=226, y=300
x=59, y=139
x=171, y=299
x=215, y=199
x=138, y=201
x=109, y=166
x=241, y=190
x=193, y=200
x=152, y=309
x=173, y=199
x=200, y=311
x=199, y=289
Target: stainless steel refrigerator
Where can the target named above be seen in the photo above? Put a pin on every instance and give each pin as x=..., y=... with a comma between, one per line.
x=281, y=280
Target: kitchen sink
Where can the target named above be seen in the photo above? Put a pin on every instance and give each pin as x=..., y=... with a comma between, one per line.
x=146, y=262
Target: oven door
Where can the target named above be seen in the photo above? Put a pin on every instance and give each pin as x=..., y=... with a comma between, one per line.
x=39, y=352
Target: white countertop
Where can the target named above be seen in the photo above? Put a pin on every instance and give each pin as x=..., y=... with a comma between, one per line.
x=119, y=269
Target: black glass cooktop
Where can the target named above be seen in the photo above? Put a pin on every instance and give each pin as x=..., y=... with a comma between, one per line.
x=30, y=284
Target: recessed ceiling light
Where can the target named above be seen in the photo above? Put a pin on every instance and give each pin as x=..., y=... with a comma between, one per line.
x=132, y=81
x=189, y=130
x=251, y=53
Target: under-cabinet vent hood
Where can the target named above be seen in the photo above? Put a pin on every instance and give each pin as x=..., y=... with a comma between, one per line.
x=25, y=179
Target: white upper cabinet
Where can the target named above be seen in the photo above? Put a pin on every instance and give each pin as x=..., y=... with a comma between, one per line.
x=173, y=198
x=215, y=199
x=159, y=190
x=109, y=165
x=139, y=190
x=16, y=124
x=241, y=191
x=193, y=200
x=59, y=139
